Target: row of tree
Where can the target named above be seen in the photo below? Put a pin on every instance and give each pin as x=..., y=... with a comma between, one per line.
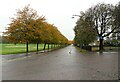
x=27, y=27
x=99, y=21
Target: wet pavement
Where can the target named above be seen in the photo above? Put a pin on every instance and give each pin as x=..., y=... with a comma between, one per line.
x=62, y=64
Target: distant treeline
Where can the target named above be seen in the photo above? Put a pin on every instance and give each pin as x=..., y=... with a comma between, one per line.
x=3, y=40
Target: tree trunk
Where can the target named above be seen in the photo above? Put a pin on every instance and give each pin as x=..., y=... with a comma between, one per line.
x=54, y=45
x=51, y=46
x=26, y=48
x=44, y=46
x=48, y=47
x=37, y=47
x=101, y=45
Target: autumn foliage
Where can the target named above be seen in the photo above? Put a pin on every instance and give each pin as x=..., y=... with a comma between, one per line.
x=28, y=27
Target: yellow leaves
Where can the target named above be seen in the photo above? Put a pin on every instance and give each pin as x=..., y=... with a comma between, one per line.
x=28, y=27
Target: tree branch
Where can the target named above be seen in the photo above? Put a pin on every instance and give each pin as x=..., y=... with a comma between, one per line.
x=110, y=32
x=96, y=27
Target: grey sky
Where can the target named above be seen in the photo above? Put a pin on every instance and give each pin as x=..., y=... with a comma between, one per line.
x=57, y=12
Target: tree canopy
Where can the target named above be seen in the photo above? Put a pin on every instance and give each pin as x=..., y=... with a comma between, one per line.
x=84, y=34
x=102, y=19
x=28, y=27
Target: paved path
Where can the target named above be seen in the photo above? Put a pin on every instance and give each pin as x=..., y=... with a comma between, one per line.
x=62, y=64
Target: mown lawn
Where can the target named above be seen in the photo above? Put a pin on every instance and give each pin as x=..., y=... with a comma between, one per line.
x=19, y=48
x=106, y=49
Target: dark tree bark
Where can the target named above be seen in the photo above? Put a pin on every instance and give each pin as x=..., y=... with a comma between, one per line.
x=44, y=46
x=54, y=45
x=48, y=47
x=51, y=46
x=26, y=48
x=37, y=48
x=101, y=45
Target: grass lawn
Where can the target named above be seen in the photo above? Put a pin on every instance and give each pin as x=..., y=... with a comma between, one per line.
x=81, y=50
x=96, y=49
x=106, y=49
x=19, y=48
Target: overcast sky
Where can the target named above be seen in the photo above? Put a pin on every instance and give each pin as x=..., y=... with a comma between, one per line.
x=57, y=12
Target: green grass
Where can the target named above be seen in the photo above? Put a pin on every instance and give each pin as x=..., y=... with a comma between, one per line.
x=19, y=48
x=105, y=48
x=81, y=50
